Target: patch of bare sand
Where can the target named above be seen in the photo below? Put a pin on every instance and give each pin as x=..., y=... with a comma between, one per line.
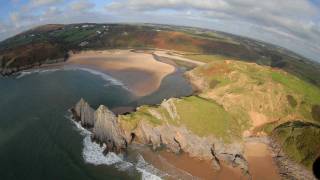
x=261, y=165
x=257, y=119
x=139, y=71
x=200, y=168
x=183, y=166
x=177, y=57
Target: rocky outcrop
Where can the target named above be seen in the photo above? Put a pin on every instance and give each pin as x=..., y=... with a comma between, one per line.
x=288, y=169
x=103, y=124
x=178, y=139
x=84, y=113
x=107, y=129
x=198, y=84
x=169, y=106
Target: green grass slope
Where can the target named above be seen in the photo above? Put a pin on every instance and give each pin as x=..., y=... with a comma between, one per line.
x=270, y=100
x=300, y=140
x=249, y=91
x=201, y=116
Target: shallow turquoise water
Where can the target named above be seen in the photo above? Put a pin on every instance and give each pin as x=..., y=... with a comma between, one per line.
x=37, y=141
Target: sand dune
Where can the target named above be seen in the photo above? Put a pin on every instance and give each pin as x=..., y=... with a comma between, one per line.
x=139, y=71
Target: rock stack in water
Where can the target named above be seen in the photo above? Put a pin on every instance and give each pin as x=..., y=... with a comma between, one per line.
x=84, y=113
x=107, y=129
x=103, y=123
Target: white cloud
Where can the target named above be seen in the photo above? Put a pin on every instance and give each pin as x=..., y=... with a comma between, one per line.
x=82, y=5
x=294, y=23
x=44, y=2
x=51, y=12
x=294, y=19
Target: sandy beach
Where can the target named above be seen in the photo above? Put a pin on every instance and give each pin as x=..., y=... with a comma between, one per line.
x=183, y=166
x=261, y=165
x=137, y=70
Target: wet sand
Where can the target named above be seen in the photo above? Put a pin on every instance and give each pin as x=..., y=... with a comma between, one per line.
x=139, y=71
x=261, y=165
x=185, y=167
x=200, y=168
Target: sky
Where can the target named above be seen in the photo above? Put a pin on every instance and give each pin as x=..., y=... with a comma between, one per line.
x=293, y=24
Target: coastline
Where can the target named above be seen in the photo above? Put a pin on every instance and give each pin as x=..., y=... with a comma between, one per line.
x=139, y=71
x=118, y=69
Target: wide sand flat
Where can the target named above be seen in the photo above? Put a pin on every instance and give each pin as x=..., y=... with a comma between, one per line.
x=139, y=71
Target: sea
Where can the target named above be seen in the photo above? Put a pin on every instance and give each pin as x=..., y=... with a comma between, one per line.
x=39, y=140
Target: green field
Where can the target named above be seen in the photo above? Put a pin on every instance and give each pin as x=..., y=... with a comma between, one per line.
x=199, y=115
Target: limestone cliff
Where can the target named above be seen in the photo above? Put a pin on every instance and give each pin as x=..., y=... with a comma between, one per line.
x=84, y=113
x=109, y=129
x=180, y=139
x=103, y=123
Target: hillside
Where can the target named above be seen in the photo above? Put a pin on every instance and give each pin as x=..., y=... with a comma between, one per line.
x=245, y=88
x=237, y=100
x=51, y=43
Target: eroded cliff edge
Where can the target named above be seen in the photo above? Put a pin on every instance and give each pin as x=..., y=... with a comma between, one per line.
x=118, y=134
x=232, y=104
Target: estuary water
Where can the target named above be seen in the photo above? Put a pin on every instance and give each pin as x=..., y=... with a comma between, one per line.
x=39, y=141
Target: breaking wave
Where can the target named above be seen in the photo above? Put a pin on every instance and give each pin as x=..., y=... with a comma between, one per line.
x=39, y=71
x=148, y=171
x=109, y=79
x=93, y=154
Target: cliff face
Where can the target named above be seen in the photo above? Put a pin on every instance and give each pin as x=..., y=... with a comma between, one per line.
x=108, y=129
x=180, y=139
x=103, y=123
x=85, y=113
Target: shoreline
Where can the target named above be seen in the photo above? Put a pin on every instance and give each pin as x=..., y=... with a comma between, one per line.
x=143, y=76
x=252, y=148
x=186, y=167
x=139, y=71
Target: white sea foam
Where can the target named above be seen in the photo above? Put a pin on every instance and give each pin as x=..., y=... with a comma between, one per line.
x=104, y=76
x=93, y=154
x=148, y=171
x=39, y=71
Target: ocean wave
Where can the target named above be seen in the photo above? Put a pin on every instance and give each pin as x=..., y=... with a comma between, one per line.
x=39, y=71
x=148, y=171
x=106, y=77
x=93, y=154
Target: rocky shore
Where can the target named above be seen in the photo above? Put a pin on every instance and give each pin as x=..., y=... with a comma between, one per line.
x=108, y=130
x=287, y=168
x=7, y=71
